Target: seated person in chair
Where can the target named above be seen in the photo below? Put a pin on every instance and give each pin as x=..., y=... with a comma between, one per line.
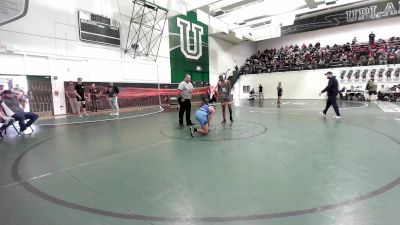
x=343, y=90
x=382, y=93
x=5, y=120
x=13, y=109
x=252, y=95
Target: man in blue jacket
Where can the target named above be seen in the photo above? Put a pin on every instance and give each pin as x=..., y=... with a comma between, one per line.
x=332, y=90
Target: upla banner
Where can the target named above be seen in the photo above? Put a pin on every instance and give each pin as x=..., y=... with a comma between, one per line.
x=188, y=42
x=363, y=13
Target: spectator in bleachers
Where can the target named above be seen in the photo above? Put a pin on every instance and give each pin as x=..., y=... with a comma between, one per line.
x=260, y=91
x=371, y=60
x=397, y=52
x=371, y=38
x=343, y=59
x=391, y=59
x=321, y=63
x=294, y=57
x=246, y=69
x=382, y=58
x=354, y=41
x=12, y=105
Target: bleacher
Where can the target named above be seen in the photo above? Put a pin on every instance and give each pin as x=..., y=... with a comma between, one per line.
x=294, y=58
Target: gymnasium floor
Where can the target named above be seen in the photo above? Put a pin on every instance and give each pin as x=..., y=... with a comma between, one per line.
x=278, y=166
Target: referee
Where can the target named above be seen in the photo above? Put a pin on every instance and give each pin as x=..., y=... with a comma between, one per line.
x=185, y=90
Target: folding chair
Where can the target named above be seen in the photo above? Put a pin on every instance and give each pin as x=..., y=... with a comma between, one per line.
x=364, y=74
x=16, y=129
x=342, y=74
x=13, y=125
x=357, y=74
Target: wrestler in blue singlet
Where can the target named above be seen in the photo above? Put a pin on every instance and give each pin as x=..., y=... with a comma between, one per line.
x=202, y=115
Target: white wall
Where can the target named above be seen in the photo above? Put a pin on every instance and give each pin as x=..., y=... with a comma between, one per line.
x=296, y=85
x=46, y=42
x=304, y=84
x=225, y=55
x=385, y=29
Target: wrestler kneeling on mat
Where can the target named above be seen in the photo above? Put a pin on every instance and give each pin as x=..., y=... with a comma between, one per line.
x=203, y=115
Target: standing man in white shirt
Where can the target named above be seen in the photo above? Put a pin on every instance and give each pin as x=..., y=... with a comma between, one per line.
x=185, y=91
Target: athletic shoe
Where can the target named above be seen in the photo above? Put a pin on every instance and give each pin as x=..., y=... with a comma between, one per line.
x=223, y=122
x=86, y=114
x=337, y=117
x=322, y=114
x=9, y=121
x=181, y=124
x=112, y=114
x=116, y=114
x=27, y=131
x=190, y=124
x=231, y=120
x=191, y=131
x=80, y=115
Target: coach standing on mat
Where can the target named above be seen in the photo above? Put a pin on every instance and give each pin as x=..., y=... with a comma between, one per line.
x=332, y=89
x=185, y=90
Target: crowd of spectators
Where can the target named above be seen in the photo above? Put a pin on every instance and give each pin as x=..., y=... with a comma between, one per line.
x=294, y=57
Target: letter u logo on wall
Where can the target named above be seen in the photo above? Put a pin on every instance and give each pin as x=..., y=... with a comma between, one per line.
x=191, y=51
